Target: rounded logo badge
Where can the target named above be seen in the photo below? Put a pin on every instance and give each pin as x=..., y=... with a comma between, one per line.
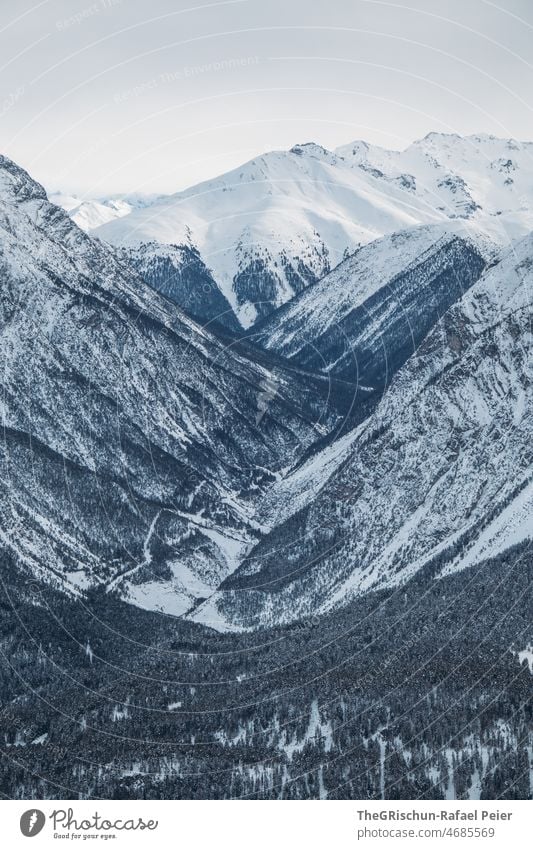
x=32, y=822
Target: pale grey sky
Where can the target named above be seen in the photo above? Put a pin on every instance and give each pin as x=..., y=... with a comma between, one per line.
x=102, y=96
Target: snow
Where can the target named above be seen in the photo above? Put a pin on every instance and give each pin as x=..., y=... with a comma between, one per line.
x=79, y=578
x=451, y=172
x=382, y=752
x=210, y=615
x=513, y=525
x=291, y=744
x=278, y=205
x=162, y=596
x=444, y=459
x=161, y=382
x=39, y=741
x=90, y=213
x=300, y=485
x=526, y=655
x=316, y=729
x=313, y=205
x=232, y=547
x=325, y=304
x=177, y=595
x=120, y=712
x=147, y=557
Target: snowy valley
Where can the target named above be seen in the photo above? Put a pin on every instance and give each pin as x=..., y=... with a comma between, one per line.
x=267, y=480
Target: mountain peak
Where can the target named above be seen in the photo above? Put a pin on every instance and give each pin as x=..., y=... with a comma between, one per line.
x=436, y=140
x=313, y=149
x=434, y=134
x=16, y=182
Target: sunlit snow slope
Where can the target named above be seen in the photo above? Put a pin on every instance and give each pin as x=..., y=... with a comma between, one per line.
x=269, y=228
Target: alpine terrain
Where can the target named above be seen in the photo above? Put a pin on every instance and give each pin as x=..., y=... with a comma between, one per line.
x=127, y=428
x=267, y=481
x=283, y=220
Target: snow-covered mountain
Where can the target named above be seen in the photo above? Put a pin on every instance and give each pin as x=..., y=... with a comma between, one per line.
x=92, y=213
x=441, y=473
x=134, y=443
x=144, y=454
x=283, y=220
x=364, y=319
x=180, y=274
x=149, y=465
x=481, y=177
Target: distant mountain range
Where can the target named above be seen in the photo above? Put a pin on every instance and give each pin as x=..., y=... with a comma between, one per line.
x=126, y=426
x=366, y=317
x=270, y=228
x=89, y=213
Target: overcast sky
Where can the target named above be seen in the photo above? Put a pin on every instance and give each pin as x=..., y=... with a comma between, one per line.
x=154, y=95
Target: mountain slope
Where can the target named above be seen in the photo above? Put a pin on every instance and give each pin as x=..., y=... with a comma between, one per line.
x=268, y=229
x=180, y=274
x=134, y=443
x=363, y=320
x=431, y=476
x=421, y=694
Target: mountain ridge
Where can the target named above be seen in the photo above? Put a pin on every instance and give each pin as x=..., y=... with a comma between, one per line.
x=363, y=319
x=441, y=469
x=114, y=404
x=270, y=227
x=211, y=457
